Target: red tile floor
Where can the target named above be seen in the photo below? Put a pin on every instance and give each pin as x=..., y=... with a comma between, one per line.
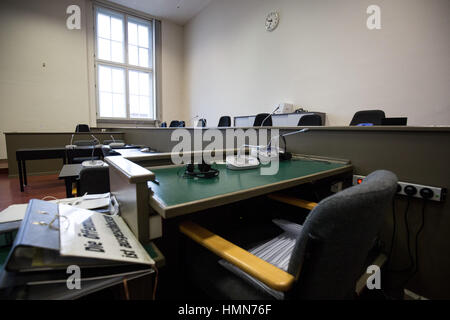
x=38, y=188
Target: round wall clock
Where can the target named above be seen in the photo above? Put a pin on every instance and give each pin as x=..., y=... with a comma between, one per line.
x=272, y=21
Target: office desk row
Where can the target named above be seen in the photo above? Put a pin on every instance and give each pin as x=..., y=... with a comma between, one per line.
x=149, y=193
x=63, y=153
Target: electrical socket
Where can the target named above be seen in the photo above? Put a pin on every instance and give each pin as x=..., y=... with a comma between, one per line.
x=438, y=193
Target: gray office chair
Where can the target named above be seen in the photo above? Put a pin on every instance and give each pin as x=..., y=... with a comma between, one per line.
x=375, y=117
x=320, y=260
x=93, y=180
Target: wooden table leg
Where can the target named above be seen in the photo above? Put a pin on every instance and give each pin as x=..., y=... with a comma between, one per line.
x=25, y=182
x=68, y=182
x=19, y=164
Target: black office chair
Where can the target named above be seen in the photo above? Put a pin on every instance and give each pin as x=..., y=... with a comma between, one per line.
x=164, y=125
x=201, y=123
x=310, y=120
x=82, y=128
x=263, y=117
x=374, y=117
x=174, y=124
x=93, y=180
x=224, y=121
x=321, y=259
x=182, y=124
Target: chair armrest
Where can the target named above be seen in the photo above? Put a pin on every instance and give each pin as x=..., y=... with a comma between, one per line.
x=293, y=201
x=265, y=272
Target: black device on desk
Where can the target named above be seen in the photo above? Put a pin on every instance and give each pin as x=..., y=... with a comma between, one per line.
x=204, y=171
x=394, y=122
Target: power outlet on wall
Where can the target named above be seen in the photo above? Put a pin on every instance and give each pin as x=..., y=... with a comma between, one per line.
x=414, y=190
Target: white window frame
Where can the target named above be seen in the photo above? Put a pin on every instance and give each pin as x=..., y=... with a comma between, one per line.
x=125, y=65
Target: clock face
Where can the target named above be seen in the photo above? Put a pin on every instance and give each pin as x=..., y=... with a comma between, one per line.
x=272, y=21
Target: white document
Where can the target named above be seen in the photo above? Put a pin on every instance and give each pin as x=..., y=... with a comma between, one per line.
x=90, y=234
x=14, y=212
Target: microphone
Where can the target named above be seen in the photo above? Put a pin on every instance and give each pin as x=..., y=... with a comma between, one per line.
x=273, y=112
x=71, y=145
x=115, y=144
x=285, y=155
x=196, y=117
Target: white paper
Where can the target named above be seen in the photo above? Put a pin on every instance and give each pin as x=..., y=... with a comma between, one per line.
x=90, y=234
x=14, y=212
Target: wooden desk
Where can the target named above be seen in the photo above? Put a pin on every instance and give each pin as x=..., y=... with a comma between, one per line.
x=174, y=195
x=36, y=154
x=70, y=173
x=171, y=196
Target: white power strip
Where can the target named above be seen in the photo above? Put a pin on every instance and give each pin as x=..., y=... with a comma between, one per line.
x=438, y=193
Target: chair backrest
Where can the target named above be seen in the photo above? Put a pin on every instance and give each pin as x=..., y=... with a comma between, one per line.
x=263, y=117
x=224, y=121
x=201, y=123
x=310, y=120
x=343, y=229
x=369, y=116
x=82, y=128
x=164, y=125
x=174, y=124
x=182, y=124
x=94, y=180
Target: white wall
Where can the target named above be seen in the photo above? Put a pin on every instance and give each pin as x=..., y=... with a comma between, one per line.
x=322, y=57
x=56, y=97
x=172, y=72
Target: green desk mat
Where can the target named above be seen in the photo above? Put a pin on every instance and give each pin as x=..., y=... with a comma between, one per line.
x=173, y=189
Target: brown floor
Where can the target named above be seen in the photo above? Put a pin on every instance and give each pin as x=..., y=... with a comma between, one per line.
x=38, y=188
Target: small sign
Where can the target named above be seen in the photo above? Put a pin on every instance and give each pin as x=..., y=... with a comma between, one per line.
x=90, y=234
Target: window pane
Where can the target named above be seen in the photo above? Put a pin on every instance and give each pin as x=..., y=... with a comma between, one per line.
x=119, y=110
x=132, y=33
x=118, y=81
x=116, y=29
x=133, y=55
x=141, y=103
x=116, y=51
x=144, y=85
x=111, y=92
x=144, y=107
x=143, y=36
x=134, y=106
x=133, y=79
x=104, y=49
x=104, y=79
x=103, y=26
x=105, y=104
x=143, y=57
